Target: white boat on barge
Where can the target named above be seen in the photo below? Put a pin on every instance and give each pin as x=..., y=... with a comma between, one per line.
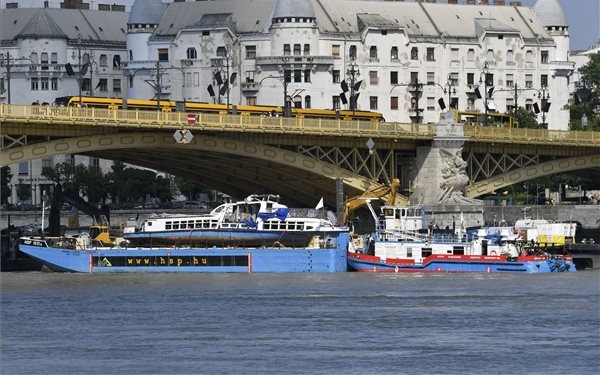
x=257, y=221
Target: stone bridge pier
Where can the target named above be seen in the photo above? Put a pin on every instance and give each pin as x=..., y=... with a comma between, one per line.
x=441, y=180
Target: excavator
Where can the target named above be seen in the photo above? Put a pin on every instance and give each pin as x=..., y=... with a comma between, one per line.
x=99, y=231
x=354, y=203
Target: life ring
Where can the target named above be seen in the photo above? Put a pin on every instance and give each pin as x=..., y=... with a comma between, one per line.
x=493, y=252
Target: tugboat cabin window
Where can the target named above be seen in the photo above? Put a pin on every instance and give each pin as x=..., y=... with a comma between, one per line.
x=458, y=250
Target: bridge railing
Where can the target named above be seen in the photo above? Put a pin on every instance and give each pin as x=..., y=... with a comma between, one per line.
x=176, y=120
x=265, y=124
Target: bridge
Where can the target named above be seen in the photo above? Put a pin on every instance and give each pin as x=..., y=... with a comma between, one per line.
x=297, y=158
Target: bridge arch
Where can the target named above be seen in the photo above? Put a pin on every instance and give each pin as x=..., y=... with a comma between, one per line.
x=533, y=171
x=232, y=166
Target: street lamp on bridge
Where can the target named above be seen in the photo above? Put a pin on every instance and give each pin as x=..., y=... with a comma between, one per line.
x=415, y=88
x=8, y=62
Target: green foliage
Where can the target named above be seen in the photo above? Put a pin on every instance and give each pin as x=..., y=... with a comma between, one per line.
x=5, y=191
x=527, y=119
x=188, y=188
x=587, y=98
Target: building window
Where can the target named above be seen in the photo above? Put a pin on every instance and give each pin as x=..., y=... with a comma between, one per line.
x=221, y=51
x=103, y=84
x=453, y=77
x=335, y=102
x=103, y=60
x=430, y=78
x=251, y=100
x=393, y=78
x=297, y=50
x=23, y=168
x=529, y=56
x=336, y=76
x=529, y=81
x=335, y=50
x=54, y=58
x=86, y=85
x=352, y=52
x=430, y=54
x=544, y=80
x=510, y=104
x=414, y=53
x=430, y=104
x=250, y=75
x=35, y=84
x=414, y=77
x=307, y=75
x=117, y=61
x=287, y=75
x=394, y=102
x=470, y=78
x=250, y=52
x=394, y=53
x=544, y=57
x=297, y=75
x=529, y=104
x=44, y=60
x=490, y=55
x=191, y=53
x=307, y=103
x=307, y=49
x=33, y=57
x=54, y=83
x=471, y=54
x=297, y=102
x=373, y=79
x=510, y=57
x=454, y=54
x=46, y=165
x=373, y=103
x=373, y=52
x=163, y=54
x=44, y=83
x=510, y=80
x=470, y=103
x=116, y=85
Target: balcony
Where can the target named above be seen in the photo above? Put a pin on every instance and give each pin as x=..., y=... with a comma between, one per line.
x=249, y=86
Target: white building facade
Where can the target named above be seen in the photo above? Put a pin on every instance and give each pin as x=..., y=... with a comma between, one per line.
x=409, y=60
x=406, y=56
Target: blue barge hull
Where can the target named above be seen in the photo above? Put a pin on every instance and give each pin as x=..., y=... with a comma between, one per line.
x=332, y=258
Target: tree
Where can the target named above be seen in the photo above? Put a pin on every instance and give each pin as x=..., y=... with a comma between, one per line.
x=5, y=178
x=587, y=98
x=527, y=119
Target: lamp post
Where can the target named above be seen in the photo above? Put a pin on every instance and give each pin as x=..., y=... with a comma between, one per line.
x=544, y=95
x=284, y=81
x=451, y=89
x=8, y=62
x=82, y=68
x=485, y=73
x=353, y=72
x=415, y=88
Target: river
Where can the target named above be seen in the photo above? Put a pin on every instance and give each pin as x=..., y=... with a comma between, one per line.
x=347, y=323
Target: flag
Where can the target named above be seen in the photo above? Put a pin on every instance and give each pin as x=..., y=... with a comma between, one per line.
x=320, y=204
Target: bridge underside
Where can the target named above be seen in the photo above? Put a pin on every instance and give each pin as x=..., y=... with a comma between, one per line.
x=231, y=166
x=299, y=170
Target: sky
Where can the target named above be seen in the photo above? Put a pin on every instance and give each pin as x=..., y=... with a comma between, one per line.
x=583, y=17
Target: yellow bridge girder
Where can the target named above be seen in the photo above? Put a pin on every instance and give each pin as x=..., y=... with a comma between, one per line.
x=532, y=171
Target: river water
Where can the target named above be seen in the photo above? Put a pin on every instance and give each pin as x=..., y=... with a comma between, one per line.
x=346, y=323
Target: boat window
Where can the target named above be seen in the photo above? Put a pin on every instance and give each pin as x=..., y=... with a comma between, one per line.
x=426, y=251
x=168, y=225
x=458, y=250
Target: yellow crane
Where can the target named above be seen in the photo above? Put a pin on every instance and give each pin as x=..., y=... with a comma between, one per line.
x=354, y=203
